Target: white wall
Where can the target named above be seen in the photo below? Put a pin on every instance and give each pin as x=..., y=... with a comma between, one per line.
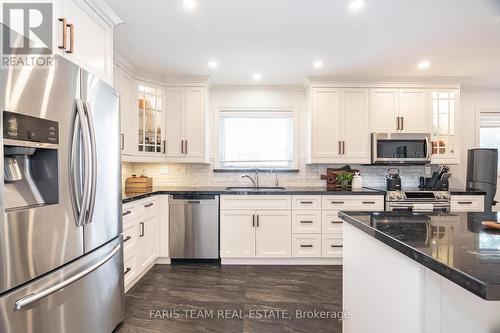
x=471, y=99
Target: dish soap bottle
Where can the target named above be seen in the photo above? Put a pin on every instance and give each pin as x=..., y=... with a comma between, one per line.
x=357, y=181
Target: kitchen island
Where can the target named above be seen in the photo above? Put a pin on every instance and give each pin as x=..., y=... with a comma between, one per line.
x=409, y=272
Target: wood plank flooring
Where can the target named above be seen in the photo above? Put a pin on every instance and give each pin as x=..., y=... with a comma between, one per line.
x=213, y=298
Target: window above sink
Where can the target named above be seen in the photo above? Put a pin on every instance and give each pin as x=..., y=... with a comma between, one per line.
x=256, y=139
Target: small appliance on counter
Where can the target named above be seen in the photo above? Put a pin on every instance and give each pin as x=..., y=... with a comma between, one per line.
x=141, y=184
x=393, y=181
x=482, y=173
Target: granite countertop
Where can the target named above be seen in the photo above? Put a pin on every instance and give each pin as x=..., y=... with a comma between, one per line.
x=127, y=197
x=454, y=245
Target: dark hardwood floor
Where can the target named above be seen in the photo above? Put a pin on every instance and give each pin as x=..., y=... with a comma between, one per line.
x=214, y=298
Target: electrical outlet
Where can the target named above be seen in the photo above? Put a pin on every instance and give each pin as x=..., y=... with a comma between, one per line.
x=427, y=170
x=164, y=171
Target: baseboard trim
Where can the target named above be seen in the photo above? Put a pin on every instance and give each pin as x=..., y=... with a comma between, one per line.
x=163, y=261
x=286, y=261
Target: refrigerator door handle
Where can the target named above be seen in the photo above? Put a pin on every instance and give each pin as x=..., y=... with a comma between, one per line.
x=79, y=192
x=93, y=164
x=35, y=296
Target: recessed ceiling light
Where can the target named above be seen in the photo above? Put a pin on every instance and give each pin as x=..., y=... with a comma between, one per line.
x=256, y=76
x=356, y=5
x=424, y=64
x=318, y=64
x=213, y=64
x=189, y=4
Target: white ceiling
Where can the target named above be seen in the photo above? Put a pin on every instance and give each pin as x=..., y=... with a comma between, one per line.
x=281, y=38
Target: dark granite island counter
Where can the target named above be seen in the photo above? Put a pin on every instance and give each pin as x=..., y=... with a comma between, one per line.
x=407, y=272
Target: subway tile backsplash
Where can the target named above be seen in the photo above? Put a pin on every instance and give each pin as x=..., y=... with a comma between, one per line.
x=309, y=175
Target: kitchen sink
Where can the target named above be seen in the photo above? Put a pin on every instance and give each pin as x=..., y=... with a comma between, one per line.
x=256, y=189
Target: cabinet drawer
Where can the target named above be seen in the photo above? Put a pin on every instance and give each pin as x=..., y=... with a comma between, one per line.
x=306, y=202
x=129, y=212
x=331, y=245
x=306, y=222
x=467, y=203
x=354, y=203
x=255, y=202
x=331, y=222
x=129, y=269
x=130, y=236
x=306, y=245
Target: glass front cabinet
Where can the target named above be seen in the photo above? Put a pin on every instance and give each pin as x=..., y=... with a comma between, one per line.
x=445, y=126
x=150, y=120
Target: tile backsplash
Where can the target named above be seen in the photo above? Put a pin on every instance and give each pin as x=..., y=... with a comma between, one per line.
x=309, y=175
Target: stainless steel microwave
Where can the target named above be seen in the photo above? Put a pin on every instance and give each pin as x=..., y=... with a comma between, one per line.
x=401, y=148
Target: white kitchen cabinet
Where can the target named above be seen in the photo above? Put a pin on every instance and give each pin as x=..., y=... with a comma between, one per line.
x=306, y=245
x=125, y=84
x=148, y=241
x=85, y=36
x=150, y=120
x=339, y=125
x=331, y=245
x=306, y=221
x=237, y=234
x=186, y=124
x=273, y=230
x=401, y=110
x=325, y=120
x=467, y=203
x=445, y=125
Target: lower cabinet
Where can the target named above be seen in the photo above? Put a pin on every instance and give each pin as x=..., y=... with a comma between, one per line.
x=467, y=203
x=282, y=226
x=255, y=234
x=140, y=238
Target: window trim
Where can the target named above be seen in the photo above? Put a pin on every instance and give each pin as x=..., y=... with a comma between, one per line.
x=252, y=111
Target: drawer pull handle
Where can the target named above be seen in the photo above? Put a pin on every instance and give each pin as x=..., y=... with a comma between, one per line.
x=128, y=212
x=306, y=245
x=127, y=270
x=306, y=202
x=142, y=229
x=337, y=202
x=336, y=222
x=127, y=239
x=306, y=221
x=465, y=202
x=148, y=205
x=368, y=202
x=333, y=245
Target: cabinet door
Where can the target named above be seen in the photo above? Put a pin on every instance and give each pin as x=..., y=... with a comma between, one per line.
x=355, y=126
x=325, y=120
x=445, y=125
x=175, y=103
x=414, y=111
x=237, y=234
x=151, y=120
x=193, y=122
x=274, y=234
x=384, y=110
x=148, y=241
x=93, y=39
x=124, y=83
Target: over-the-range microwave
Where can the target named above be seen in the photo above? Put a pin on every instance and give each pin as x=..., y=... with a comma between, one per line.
x=401, y=148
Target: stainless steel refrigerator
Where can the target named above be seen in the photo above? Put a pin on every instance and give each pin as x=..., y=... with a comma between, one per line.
x=482, y=173
x=61, y=256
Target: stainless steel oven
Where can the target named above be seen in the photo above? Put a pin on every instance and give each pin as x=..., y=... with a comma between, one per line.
x=418, y=201
x=400, y=148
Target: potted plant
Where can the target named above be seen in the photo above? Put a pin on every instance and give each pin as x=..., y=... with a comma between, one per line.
x=344, y=179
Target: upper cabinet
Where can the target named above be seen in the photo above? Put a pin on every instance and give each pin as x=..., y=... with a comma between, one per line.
x=339, y=130
x=186, y=124
x=445, y=120
x=85, y=36
x=125, y=84
x=400, y=110
x=150, y=118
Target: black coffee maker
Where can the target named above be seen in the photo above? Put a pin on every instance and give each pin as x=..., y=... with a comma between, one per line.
x=393, y=181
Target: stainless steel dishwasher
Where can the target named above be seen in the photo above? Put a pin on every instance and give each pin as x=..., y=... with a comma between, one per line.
x=194, y=226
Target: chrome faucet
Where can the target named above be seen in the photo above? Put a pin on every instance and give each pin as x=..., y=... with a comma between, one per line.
x=276, y=179
x=250, y=178
x=257, y=177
